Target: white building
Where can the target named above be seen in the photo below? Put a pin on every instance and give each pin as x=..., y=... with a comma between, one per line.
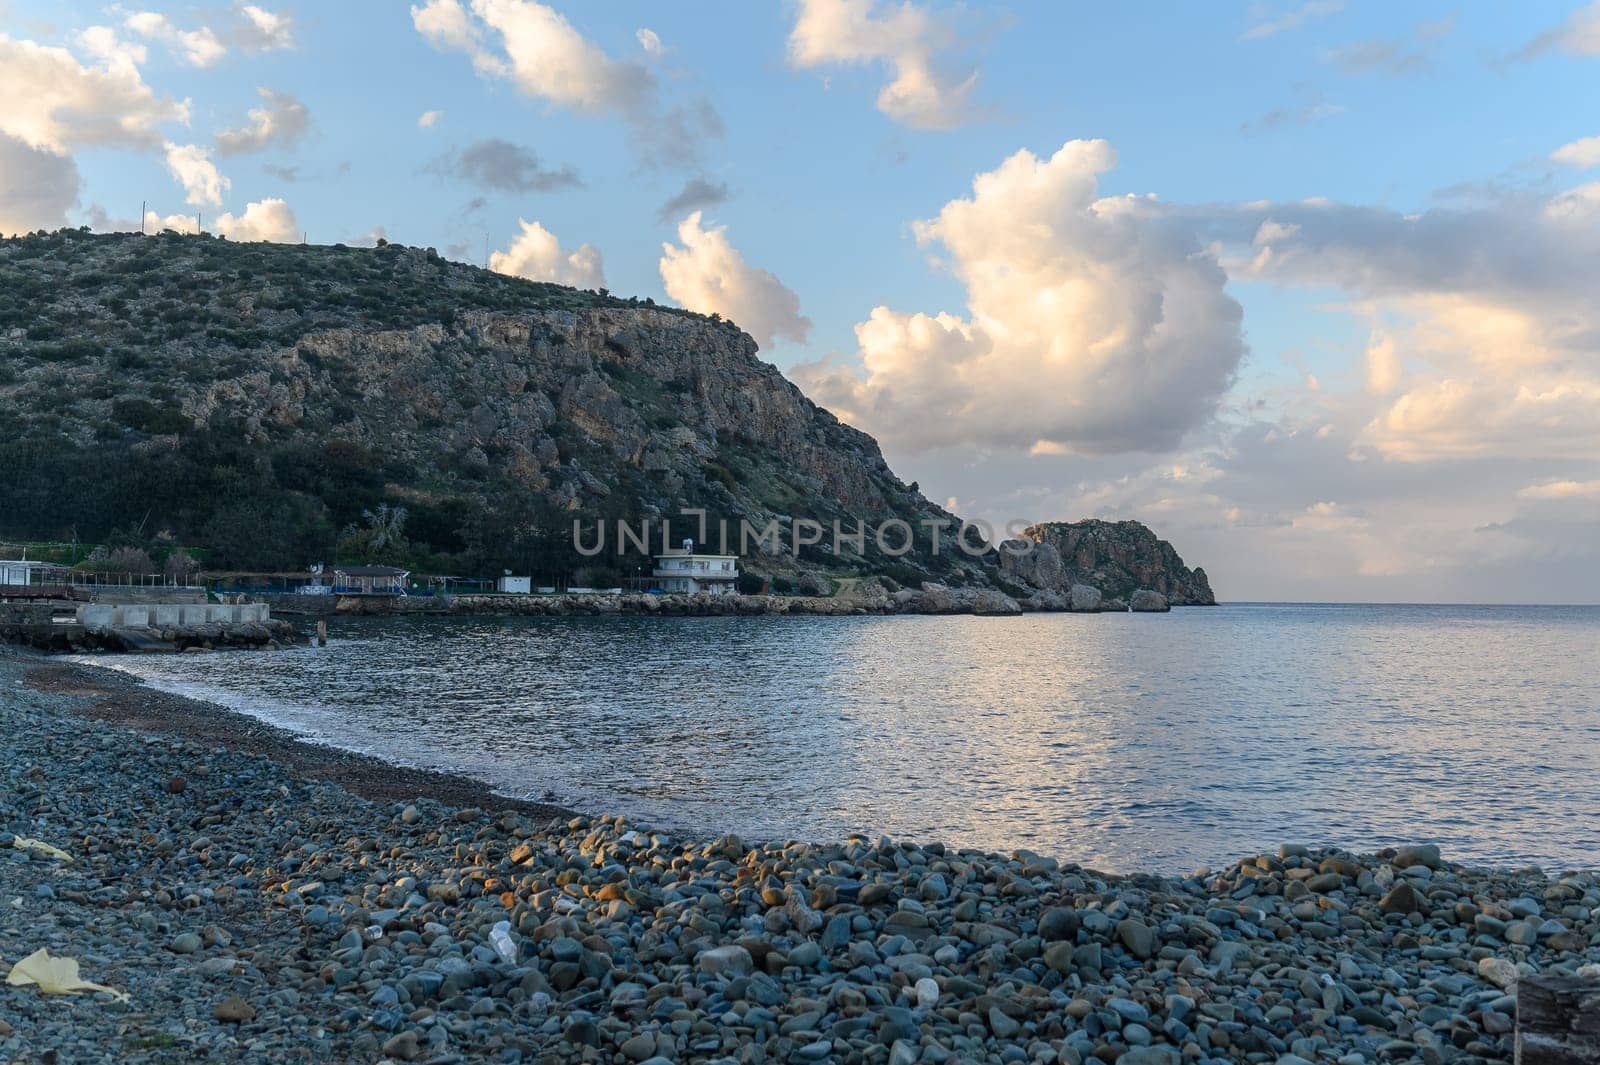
x=15, y=573
x=683, y=572
x=514, y=585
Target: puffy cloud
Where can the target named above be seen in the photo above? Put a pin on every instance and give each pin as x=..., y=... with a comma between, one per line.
x=650, y=41
x=1584, y=152
x=198, y=48
x=696, y=194
x=1270, y=25
x=539, y=51
x=263, y=220
x=191, y=165
x=102, y=43
x=37, y=187
x=707, y=274
x=428, y=119
x=537, y=255
x=928, y=89
x=1578, y=35
x=1094, y=325
x=501, y=166
x=261, y=30
x=50, y=100
x=1485, y=329
x=281, y=121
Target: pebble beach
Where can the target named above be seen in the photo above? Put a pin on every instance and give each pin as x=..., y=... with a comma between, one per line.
x=256, y=900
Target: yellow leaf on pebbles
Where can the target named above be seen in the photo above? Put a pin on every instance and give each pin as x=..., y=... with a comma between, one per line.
x=55, y=976
x=43, y=848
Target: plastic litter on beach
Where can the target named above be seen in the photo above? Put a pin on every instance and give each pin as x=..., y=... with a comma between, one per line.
x=55, y=976
x=22, y=844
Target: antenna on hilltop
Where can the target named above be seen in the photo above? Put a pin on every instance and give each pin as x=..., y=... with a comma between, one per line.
x=141, y=217
x=486, y=249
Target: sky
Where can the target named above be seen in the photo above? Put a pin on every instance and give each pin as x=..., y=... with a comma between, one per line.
x=1311, y=288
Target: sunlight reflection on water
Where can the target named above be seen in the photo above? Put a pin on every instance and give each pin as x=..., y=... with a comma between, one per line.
x=1121, y=741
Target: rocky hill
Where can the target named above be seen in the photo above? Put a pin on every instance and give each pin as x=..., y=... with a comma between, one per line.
x=1117, y=559
x=271, y=405
x=260, y=400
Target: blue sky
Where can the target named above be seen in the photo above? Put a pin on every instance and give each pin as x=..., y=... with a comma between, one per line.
x=1354, y=132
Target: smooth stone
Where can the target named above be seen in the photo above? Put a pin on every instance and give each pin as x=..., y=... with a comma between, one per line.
x=234, y=1010
x=1058, y=923
x=1137, y=937
x=1402, y=898
x=730, y=959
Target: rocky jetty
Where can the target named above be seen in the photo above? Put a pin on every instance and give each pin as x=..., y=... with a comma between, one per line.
x=870, y=597
x=250, y=914
x=38, y=624
x=1068, y=560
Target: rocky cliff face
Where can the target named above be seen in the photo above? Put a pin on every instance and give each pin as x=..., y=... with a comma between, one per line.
x=1117, y=559
x=257, y=401
x=257, y=398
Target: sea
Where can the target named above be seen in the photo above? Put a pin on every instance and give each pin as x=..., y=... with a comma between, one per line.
x=1123, y=742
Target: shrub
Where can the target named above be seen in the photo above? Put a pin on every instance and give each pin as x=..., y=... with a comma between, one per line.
x=146, y=417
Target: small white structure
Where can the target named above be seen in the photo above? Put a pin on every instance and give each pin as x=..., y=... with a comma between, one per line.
x=15, y=573
x=514, y=585
x=683, y=572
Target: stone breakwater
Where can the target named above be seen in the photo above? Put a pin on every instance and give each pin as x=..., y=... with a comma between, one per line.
x=254, y=915
x=871, y=599
x=49, y=626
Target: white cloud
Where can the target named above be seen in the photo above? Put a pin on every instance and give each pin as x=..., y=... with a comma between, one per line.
x=263, y=220
x=50, y=100
x=1269, y=25
x=429, y=119
x=539, y=51
x=37, y=187
x=191, y=166
x=198, y=47
x=537, y=255
x=370, y=238
x=1584, y=152
x=1409, y=53
x=281, y=121
x=1094, y=327
x=709, y=275
x=1578, y=35
x=928, y=89
x=102, y=43
x=265, y=31
x=650, y=41
x=1486, y=334
x=1562, y=490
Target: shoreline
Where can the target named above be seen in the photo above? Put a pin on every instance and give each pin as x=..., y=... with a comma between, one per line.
x=262, y=898
x=127, y=701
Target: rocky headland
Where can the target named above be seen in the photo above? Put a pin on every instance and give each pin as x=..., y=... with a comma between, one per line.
x=252, y=913
x=271, y=406
x=1072, y=565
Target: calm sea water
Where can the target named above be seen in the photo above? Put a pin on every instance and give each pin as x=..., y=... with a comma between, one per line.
x=1149, y=742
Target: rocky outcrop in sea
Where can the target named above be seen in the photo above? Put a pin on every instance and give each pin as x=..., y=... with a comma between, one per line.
x=1116, y=559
